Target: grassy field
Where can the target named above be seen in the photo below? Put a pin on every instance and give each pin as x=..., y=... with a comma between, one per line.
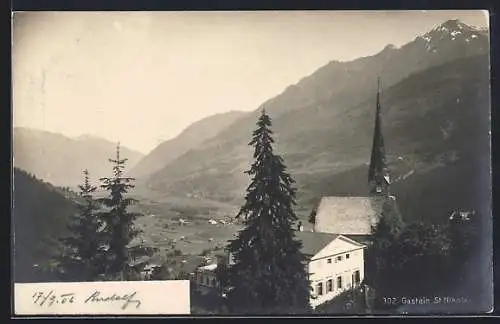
x=161, y=224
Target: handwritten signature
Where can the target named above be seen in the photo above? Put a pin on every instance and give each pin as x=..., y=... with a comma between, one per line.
x=128, y=299
x=50, y=298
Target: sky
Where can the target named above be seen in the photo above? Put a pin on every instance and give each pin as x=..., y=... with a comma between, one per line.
x=142, y=77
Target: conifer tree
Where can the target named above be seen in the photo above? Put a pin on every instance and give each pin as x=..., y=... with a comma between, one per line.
x=83, y=249
x=379, y=255
x=268, y=272
x=125, y=258
x=312, y=216
x=381, y=260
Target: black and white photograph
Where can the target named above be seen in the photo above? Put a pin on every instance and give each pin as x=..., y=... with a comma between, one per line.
x=239, y=163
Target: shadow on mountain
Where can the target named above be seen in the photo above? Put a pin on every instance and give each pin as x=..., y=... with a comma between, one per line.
x=39, y=216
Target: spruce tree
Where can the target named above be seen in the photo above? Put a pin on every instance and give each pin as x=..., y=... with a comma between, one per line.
x=379, y=257
x=268, y=273
x=312, y=216
x=83, y=248
x=381, y=260
x=123, y=252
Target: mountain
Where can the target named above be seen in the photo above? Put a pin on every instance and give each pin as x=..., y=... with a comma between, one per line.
x=191, y=138
x=60, y=160
x=39, y=215
x=436, y=109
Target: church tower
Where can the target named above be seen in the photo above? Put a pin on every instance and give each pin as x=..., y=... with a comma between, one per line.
x=378, y=174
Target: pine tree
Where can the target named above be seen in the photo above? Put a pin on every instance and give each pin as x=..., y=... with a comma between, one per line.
x=268, y=273
x=379, y=254
x=423, y=254
x=391, y=216
x=312, y=216
x=125, y=258
x=83, y=249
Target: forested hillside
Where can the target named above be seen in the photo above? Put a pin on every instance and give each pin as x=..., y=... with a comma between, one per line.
x=40, y=213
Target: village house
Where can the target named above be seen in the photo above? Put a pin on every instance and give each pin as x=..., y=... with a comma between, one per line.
x=335, y=264
x=462, y=215
x=205, y=279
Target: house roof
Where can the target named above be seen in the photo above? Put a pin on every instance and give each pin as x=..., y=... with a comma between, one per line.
x=360, y=238
x=347, y=215
x=313, y=242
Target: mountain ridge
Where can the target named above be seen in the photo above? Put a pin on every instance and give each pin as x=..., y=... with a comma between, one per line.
x=191, y=137
x=380, y=64
x=60, y=159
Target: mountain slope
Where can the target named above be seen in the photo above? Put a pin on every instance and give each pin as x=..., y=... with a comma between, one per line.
x=60, y=160
x=435, y=97
x=190, y=138
x=339, y=86
x=39, y=216
x=430, y=119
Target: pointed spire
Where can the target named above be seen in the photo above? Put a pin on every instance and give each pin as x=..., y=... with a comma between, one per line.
x=378, y=176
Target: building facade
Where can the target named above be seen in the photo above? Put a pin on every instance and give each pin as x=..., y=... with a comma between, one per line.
x=205, y=279
x=335, y=264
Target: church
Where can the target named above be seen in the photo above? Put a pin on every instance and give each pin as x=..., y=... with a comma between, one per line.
x=354, y=217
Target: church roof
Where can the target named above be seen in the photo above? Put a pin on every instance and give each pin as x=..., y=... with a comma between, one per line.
x=313, y=242
x=347, y=215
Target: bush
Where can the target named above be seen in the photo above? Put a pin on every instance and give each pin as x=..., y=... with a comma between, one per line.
x=415, y=262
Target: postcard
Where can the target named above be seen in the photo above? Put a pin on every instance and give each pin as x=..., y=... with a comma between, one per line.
x=241, y=163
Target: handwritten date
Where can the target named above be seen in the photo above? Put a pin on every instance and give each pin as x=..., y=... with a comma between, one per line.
x=42, y=298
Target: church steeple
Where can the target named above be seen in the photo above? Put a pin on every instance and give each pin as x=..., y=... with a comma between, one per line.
x=378, y=175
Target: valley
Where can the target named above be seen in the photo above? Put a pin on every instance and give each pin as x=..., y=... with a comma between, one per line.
x=435, y=121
